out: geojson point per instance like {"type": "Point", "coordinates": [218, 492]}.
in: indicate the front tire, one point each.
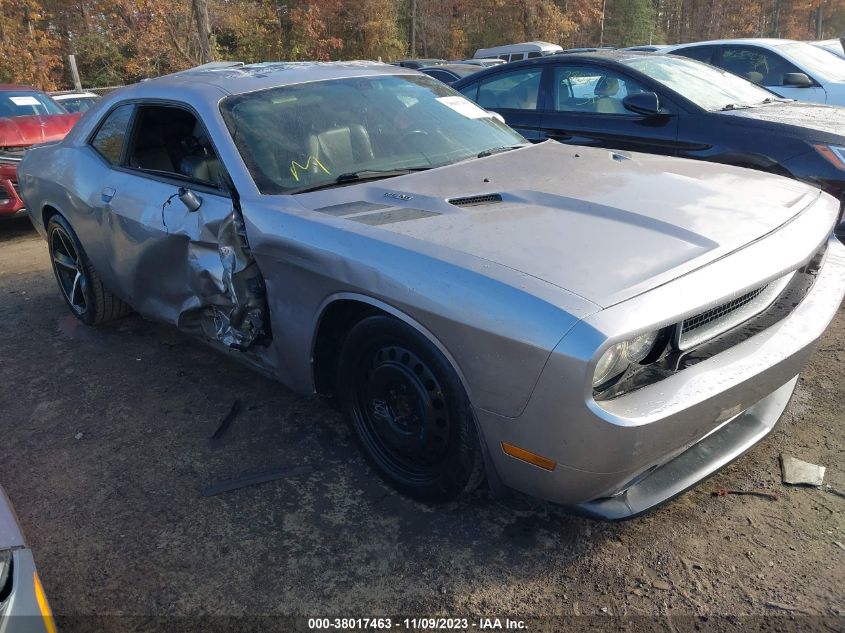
{"type": "Point", "coordinates": [78, 281]}
{"type": "Point", "coordinates": [408, 411]}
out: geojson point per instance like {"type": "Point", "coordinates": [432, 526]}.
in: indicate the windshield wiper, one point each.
{"type": "Point", "coordinates": [357, 176]}
{"type": "Point", "coordinates": [737, 106]}
{"type": "Point", "coordinates": [497, 150]}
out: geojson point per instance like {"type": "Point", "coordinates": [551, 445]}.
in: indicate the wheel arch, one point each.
{"type": "Point", "coordinates": [338, 314]}
{"type": "Point", "coordinates": [48, 210]}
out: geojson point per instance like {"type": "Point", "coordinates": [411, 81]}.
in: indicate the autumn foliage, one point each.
{"type": "Point", "coordinates": [120, 41]}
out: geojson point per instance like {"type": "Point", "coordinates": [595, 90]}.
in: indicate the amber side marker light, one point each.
{"type": "Point", "coordinates": [527, 456]}
{"type": "Point", "coordinates": [43, 605]}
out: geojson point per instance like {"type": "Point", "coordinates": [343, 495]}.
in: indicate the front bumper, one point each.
{"type": "Point", "coordinates": [10, 200]}
{"type": "Point", "coordinates": [20, 612]}
{"type": "Point", "coordinates": [618, 458]}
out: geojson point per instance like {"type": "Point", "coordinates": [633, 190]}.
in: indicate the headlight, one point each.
{"type": "Point", "coordinates": [617, 357]}
{"type": "Point", "coordinates": [833, 154]}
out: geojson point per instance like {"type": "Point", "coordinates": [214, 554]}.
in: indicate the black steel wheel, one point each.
{"type": "Point", "coordinates": [408, 411]}
{"type": "Point", "coordinates": [79, 283]}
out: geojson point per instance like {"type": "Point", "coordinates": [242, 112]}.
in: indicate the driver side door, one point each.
{"type": "Point", "coordinates": [163, 254]}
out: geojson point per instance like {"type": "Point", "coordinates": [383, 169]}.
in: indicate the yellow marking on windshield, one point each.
{"type": "Point", "coordinates": [312, 160]}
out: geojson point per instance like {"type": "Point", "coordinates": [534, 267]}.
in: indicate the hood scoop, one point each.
{"type": "Point", "coordinates": [474, 201]}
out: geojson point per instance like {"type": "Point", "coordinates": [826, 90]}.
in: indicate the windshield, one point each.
{"type": "Point", "coordinates": [27, 103]}
{"type": "Point", "coordinates": [302, 136]}
{"type": "Point", "coordinates": [707, 87]}
{"type": "Point", "coordinates": [816, 61]}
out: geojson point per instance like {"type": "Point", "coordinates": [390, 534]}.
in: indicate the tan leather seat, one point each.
{"type": "Point", "coordinates": [606, 101]}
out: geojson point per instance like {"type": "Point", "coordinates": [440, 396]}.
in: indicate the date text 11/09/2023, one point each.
{"type": "Point", "coordinates": [416, 624]}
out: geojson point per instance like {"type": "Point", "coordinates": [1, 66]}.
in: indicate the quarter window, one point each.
{"type": "Point", "coordinates": [700, 53]}
{"type": "Point", "coordinates": [108, 140]}
{"type": "Point", "coordinates": [592, 90]}
{"type": "Point", "coordinates": [518, 90]}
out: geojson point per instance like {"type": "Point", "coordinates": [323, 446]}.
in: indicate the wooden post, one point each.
{"type": "Point", "coordinates": [413, 28]}
{"type": "Point", "coordinates": [77, 84]}
{"type": "Point", "coordinates": [601, 24]}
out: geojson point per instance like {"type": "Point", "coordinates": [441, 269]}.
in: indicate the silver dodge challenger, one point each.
{"type": "Point", "coordinates": [598, 329]}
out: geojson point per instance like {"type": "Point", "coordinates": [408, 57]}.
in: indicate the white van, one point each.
{"type": "Point", "coordinates": [515, 52]}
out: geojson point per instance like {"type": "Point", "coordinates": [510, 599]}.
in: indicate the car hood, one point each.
{"type": "Point", "coordinates": [29, 130]}
{"type": "Point", "coordinates": [808, 116]}
{"type": "Point", "coordinates": [600, 224]}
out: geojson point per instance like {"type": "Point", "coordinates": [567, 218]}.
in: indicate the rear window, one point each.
{"type": "Point", "coordinates": [27, 103]}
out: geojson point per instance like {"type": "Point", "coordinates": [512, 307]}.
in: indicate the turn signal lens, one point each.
{"type": "Point", "coordinates": [527, 456]}
{"type": "Point", "coordinates": [43, 605]}
{"type": "Point", "coordinates": [833, 154]}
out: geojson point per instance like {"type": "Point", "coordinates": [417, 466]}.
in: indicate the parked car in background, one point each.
{"type": "Point", "coordinates": [27, 117]}
{"type": "Point", "coordinates": [450, 73]}
{"type": "Point", "coordinates": [646, 48]}
{"type": "Point", "coordinates": [516, 52]}
{"type": "Point", "coordinates": [492, 61]}
{"type": "Point", "coordinates": [23, 603]}
{"type": "Point", "coordinates": [416, 64]}
{"type": "Point", "coordinates": [834, 46]}
{"type": "Point", "coordinates": [586, 49]}
{"type": "Point", "coordinates": [669, 105]}
{"type": "Point", "coordinates": [76, 101]}
{"type": "Point", "coordinates": [796, 70]}
{"type": "Point", "coordinates": [596, 330]}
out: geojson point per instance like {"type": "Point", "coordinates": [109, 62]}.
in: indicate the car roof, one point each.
{"type": "Point", "coordinates": [759, 41]}
{"type": "Point", "coordinates": [235, 78]}
{"type": "Point", "coordinates": [470, 68]}
{"type": "Point", "coordinates": [72, 95]}
{"type": "Point", "coordinates": [615, 56]}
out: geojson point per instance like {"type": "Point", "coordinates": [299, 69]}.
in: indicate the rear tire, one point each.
{"type": "Point", "coordinates": [408, 411]}
{"type": "Point", "coordinates": [78, 281]}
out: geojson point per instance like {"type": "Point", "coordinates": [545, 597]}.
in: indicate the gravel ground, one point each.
{"type": "Point", "coordinates": [106, 451]}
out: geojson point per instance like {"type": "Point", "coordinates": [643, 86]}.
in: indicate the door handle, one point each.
{"type": "Point", "coordinates": [107, 194]}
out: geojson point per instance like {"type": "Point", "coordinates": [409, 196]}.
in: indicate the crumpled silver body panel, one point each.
{"type": "Point", "coordinates": [578, 233]}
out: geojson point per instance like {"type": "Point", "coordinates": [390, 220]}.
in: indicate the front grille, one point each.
{"type": "Point", "coordinates": [470, 201]}
{"type": "Point", "coordinates": [710, 323]}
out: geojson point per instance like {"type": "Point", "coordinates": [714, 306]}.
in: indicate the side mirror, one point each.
{"type": "Point", "coordinates": [497, 116]}
{"type": "Point", "coordinates": [191, 200]}
{"type": "Point", "coordinates": [646, 103]}
{"type": "Point", "coordinates": [797, 80]}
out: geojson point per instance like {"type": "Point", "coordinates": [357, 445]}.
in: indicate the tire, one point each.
{"type": "Point", "coordinates": [78, 281]}
{"type": "Point", "coordinates": [408, 411]}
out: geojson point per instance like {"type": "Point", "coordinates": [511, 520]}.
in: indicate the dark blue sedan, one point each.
{"type": "Point", "coordinates": [665, 105]}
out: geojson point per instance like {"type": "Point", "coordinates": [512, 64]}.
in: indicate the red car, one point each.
{"type": "Point", "coordinates": [27, 117]}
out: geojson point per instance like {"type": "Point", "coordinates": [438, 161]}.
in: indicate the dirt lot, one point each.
{"type": "Point", "coordinates": [106, 450]}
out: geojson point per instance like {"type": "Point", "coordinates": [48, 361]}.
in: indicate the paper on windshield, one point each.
{"type": "Point", "coordinates": [464, 106]}
{"type": "Point", "coordinates": [24, 101]}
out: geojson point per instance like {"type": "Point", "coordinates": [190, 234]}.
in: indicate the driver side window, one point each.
{"type": "Point", "coordinates": [592, 90]}
{"type": "Point", "coordinates": [169, 140]}
{"type": "Point", "coordinates": [756, 64]}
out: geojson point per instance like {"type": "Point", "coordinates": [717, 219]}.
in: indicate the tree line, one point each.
{"type": "Point", "coordinates": [122, 41]}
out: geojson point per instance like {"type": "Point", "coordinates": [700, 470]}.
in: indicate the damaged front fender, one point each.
{"type": "Point", "coordinates": [243, 319]}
